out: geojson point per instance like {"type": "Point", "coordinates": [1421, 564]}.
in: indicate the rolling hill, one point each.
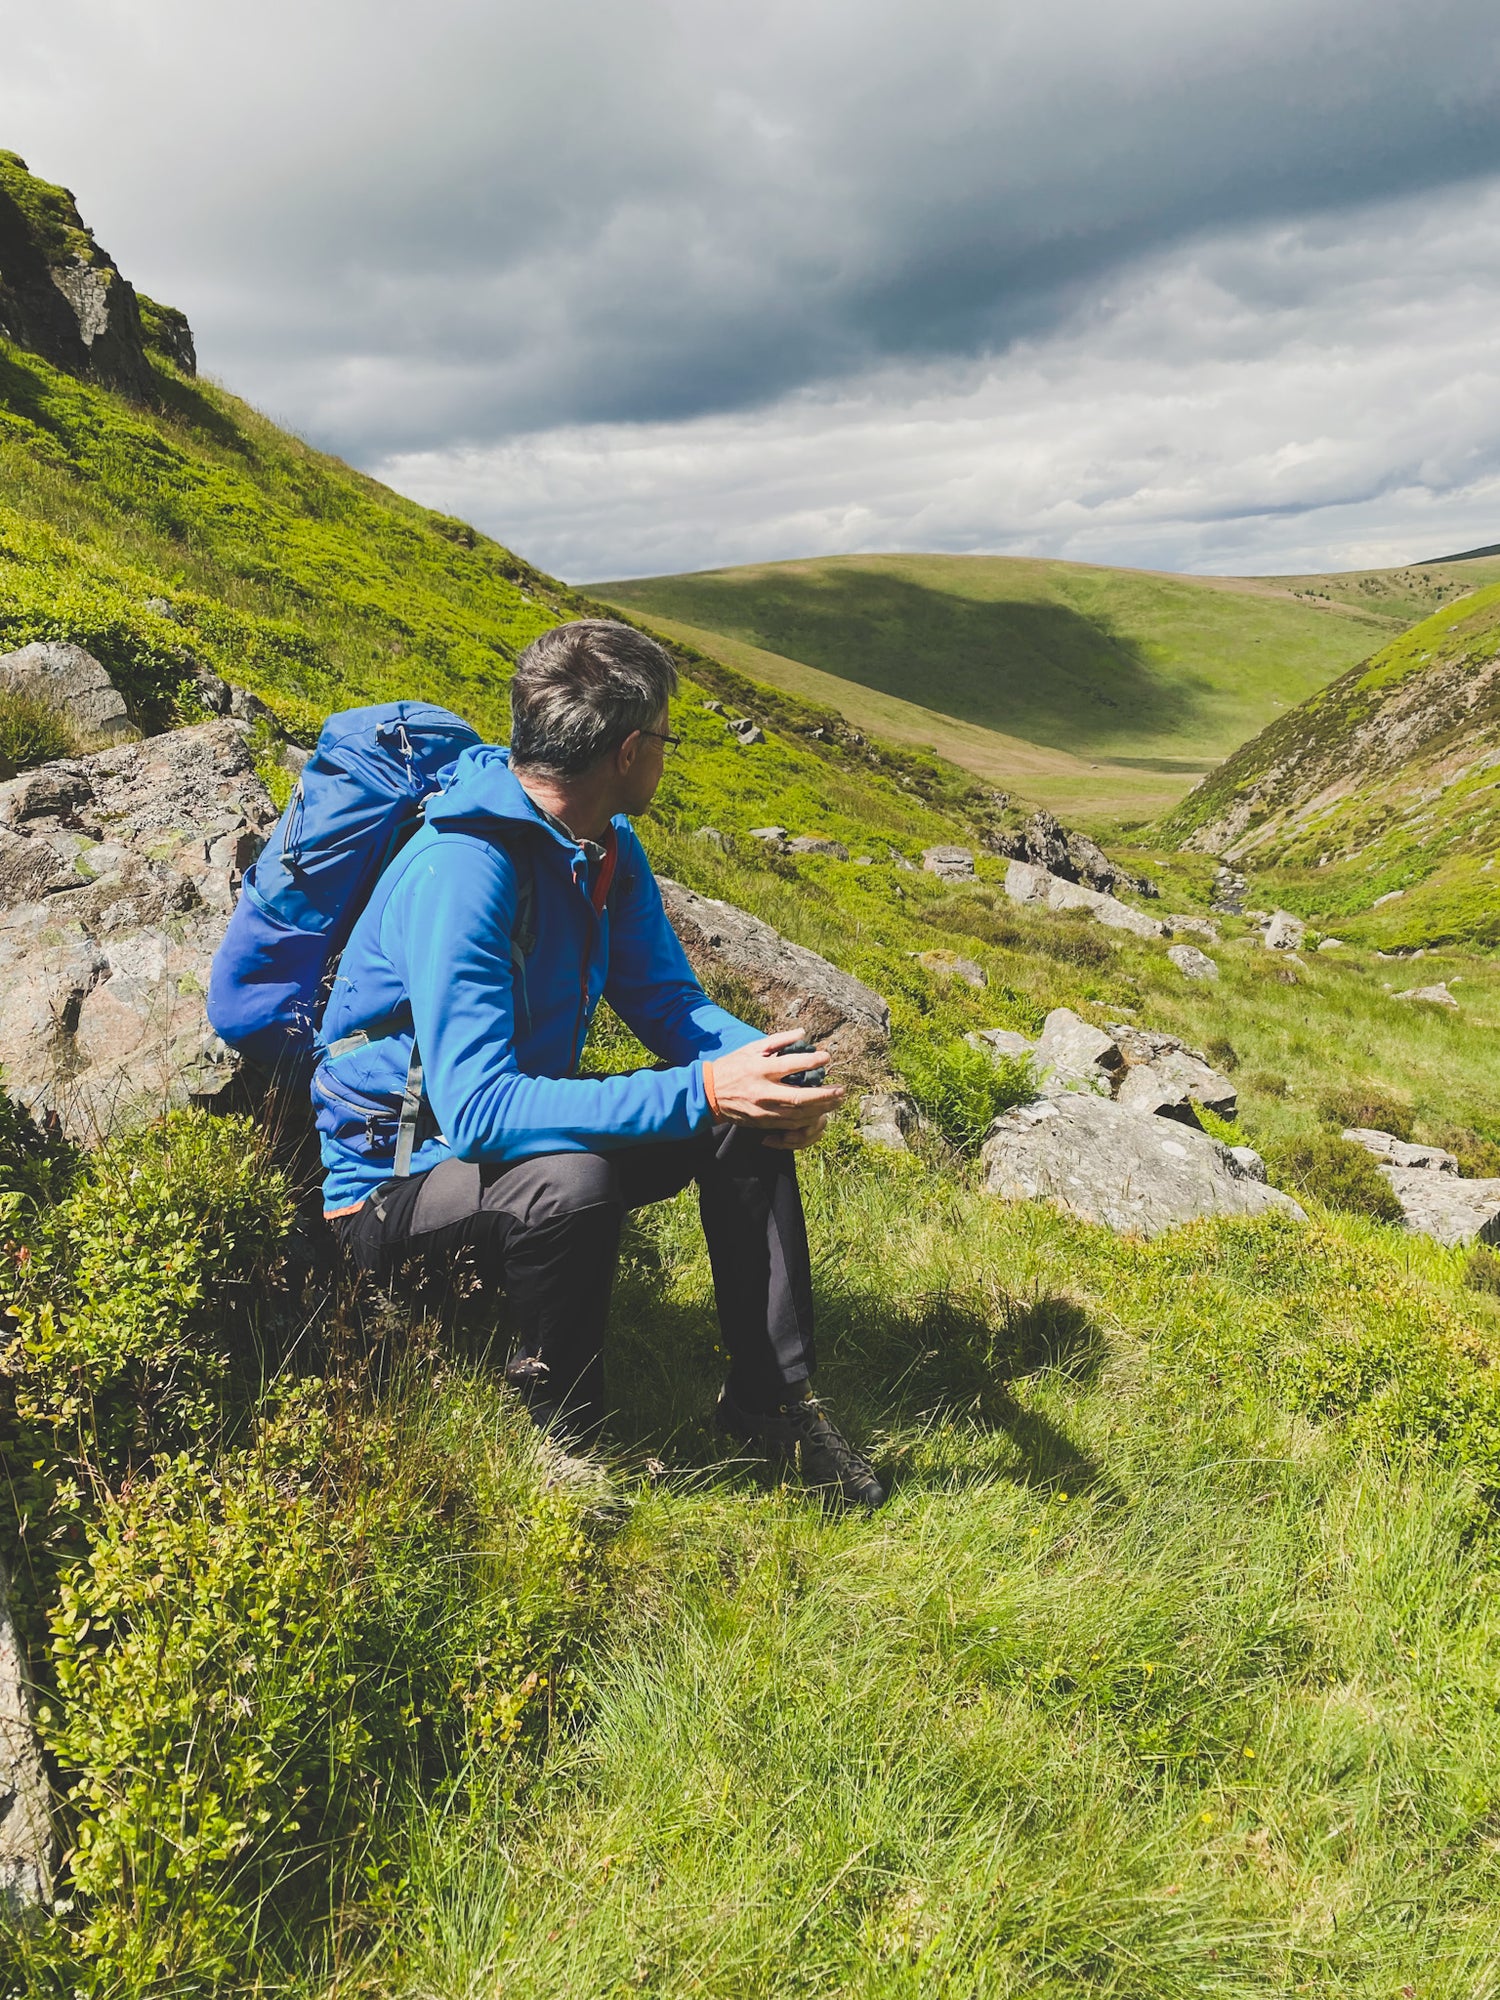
{"type": "Point", "coordinates": [1374, 805]}
{"type": "Point", "coordinates": [1105, 693]}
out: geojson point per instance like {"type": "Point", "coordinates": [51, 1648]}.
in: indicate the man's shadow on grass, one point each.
{"type": "Point", "coordinates": [931, 1384]}
{"type": "Point", "coordinates": [897, 1375]}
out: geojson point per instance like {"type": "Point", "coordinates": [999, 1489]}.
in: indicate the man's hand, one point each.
{"type": "Point", "coordinates": [749, 1090]}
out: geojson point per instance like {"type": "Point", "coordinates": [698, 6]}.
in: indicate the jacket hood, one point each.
{"type": "Point", "coordinates": [480, 784]}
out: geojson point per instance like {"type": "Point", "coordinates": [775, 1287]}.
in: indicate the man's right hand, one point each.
{"type": "Point", "coordinates": [749, 1086]}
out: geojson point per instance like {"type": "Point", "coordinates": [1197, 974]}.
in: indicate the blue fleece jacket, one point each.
{"type": "Point", "coordinates": [432, 951]}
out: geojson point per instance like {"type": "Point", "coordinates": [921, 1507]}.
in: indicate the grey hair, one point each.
{"type": "Point", "coordinates": [581, 689]}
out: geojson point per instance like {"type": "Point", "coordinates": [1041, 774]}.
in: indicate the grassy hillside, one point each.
{"type": "Point", "coordinates": [1105, 693]}
{"type": "Point", "coordinates": [1169, 1667]}
{"type": "Point", "coordinates": [1380, 787]}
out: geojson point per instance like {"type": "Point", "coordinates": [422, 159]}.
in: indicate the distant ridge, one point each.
{"type": "Point", "coordinates": [1464, 555]}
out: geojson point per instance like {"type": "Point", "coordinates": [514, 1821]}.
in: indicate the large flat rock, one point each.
{"type": "Point", "coordinates": [796, 987]}
{"type": "Point", "coordinates": [117, 876]}
{"type": "Point", "coordinates": [1446, 1207]}
{"type": "Point", "coordinates": [1133, 1172]}
{"type": "Point", "coordinates": [1025, 883]}
{"type": "Point", "coordinates": [74, 683]}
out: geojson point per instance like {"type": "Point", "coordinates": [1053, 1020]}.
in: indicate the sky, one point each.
{"type": "Point", "coordinates": [658, 285]}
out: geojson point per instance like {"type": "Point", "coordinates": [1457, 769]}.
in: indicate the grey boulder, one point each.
{"type": "Point", "coordinates": [1027, 884]}
{"type": "Point", "coordinates": [1071, 1052]}
{"type": "Point", "coordinates": [949, 864]}
{"type": "Point", "coordinates": [74, 683]}
{"type": "Point", "coordinates": [117, 876]}
{"type": "Point", "coordinates": [795, 987]}
{"type": "Point", "coordinates": [1192, 963]}
{"type": "Point", "coordinates": [1105, 1163]}
{"type": "Point", "coordinates": [1284, 932]}
{"type": "Point", "coordinates": [1441, 1205]}
{"type": "Point", "coordinates": [812, 843]}
{"type": "Point", "coordinates": [1434, 996]}
{"type": "Point", "coordinates": [887, 1119]}
{"type": "Point", "coordinates": [1394, 1152]}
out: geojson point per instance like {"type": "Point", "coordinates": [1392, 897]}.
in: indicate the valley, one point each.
{"type": "Point", "coordinates": [1105, 694]}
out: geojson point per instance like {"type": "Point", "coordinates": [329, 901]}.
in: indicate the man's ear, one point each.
{"type": "Point", "coordinates": [627, 753]}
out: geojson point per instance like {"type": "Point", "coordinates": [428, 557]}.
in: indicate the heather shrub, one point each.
{"type": "Point", "coordinates": [1336, 1172]}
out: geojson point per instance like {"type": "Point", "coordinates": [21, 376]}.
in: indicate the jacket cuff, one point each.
{"type": "Point", "coordinates": [710, 1093]}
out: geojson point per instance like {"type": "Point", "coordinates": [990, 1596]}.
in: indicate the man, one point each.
{"type": "Point", "coordinates": [490, 940]}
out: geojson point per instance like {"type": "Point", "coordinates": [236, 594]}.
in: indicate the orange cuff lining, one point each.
{"type": "Point", "coordinates": [708, 1090]}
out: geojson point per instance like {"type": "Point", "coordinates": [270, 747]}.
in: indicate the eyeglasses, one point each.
{"type": "Point", "coordinates": [668, 742]}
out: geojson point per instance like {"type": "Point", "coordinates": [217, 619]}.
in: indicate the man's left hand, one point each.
{"type": "Point", "coordinates": [792, 1138]}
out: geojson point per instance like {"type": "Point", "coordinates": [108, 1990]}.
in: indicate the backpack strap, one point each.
{"type": "Point", "coordinates": [411, 1110]}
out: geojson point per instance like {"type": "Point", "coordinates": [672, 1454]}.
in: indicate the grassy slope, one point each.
{"type": "Point", "coordinates": [1170, 1666]}
{"type": "Point", "coordinates": [1329, 833]}
{"type": "Point", "coordinates": [1103, 692]}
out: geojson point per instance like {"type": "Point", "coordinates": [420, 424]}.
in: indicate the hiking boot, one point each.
{"type": "Point", "coordinates": [801, 1433]}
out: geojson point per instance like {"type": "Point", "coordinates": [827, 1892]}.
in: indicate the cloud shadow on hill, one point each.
{"type": "Point", "coordinates": [1040, 670]}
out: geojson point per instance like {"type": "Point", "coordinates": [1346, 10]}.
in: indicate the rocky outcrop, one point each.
{"type": "Point", "coordinates": [949, 965]}
{"type": "Point", "coordinates": [795, 987]}
{"type": "Point", "coordinates": [1027, 884]}
{"type": "Point", "coordinates": [1107, 1163]}
{"type": "Point", "coordinates": [26, 1848]}
{"type": "Point", "coordinates": [117, 875]}
{"type": "Point", "coordinates": [1046, 843]}
{"type": "Point", "coordinates": [64, 297]}
{"type": "Point", "coordinates": [74, 683]}
{"type": "Point", "coordinates": [1432, 996]}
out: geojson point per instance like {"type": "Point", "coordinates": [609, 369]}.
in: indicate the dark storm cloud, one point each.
{"type": "Point", "coordinates": [407, 226]}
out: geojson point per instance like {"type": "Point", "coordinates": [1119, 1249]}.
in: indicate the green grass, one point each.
{"type": "Point", "coordinates": [1144, 1683]}
{"type": "Point", "coordinates": [1102, 692]}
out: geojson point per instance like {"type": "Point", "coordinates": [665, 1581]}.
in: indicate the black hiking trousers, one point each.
{"type": "Point", "coordinates": [547, 1231]}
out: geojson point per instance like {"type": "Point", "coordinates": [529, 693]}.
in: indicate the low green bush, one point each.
{"type": "Point", "coordinates": [1337, 1172]}
{"type": "Point", "coordinates": [140, 1289]}
{"type": "Point", "coordinates": [259, 1655]}
{"type": "Point", "coordinates": [1267, 1083]}
{"type": "Point", "coordinates": [31, 732]}
{"type": "Point", "coordinates": [960, 1088]}
{"type": "Point", "coordinates": [1359, 1105]}
{"type": "Point", "coordinates": [1482, 1270]}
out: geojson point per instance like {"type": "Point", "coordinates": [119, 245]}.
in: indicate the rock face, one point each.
{"type": "Point", "coordinates": [812, 843]}
{"type": "Point", "coordinates": [1026, 884]}
{"type": "Point", "coordinates": [26, 1851]}
{"type": "Point", "coordinates": [1442, 1206]}
{"type": "Point", "coordinates": [117, 876]}
{"type": "Point", "coordinates": [74, 683]}
{"type": "Point", "coordinates": [1106, 1163]}
{"type": "Point", "coordinates": [1046, 843]}
{"type": "Point", "coordinates": [63, 297]}
{"type": "Point", "coordinates": [797, 988]}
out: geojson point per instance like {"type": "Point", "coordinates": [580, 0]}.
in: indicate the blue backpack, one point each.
{"type": "Point", "coordinates": [358, 800]}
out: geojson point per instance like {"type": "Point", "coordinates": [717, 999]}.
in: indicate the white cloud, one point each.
{"type": "Point", "coordinates": [1274, 399]}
